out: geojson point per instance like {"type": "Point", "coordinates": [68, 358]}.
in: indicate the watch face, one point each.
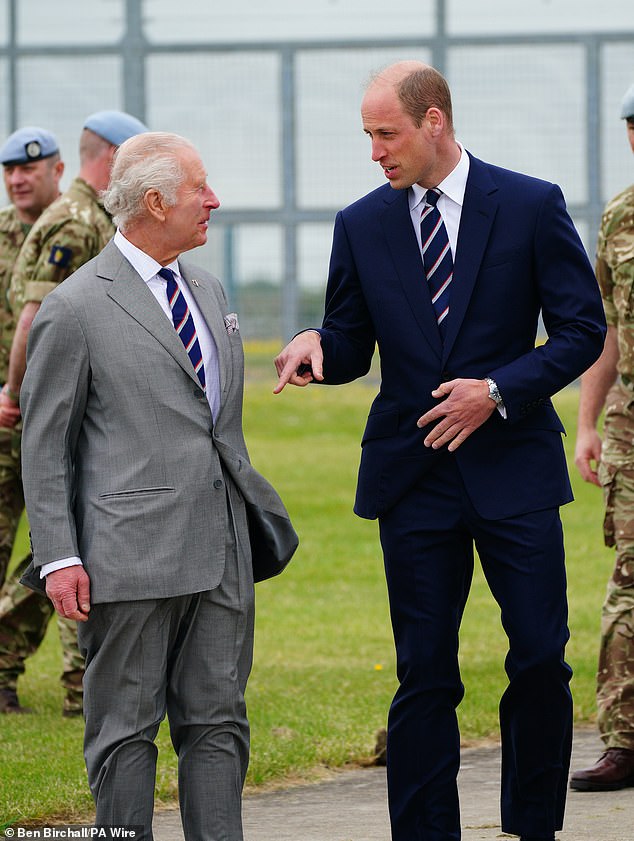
{"type": "Point", "coordinates": [494, 394]}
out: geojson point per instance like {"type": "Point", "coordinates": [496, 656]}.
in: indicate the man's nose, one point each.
{"type": "Point", "coordinates": [377, 151]}
{"type": "Point", "coordinates": [212, 199]}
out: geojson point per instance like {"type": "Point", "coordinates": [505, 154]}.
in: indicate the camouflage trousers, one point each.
{"type": "Point", "coordinates": [11, 496]}
{"type": "Point", "coordinates": [24, 614]}
{"type": "Point", "coordinates": [615, 677]}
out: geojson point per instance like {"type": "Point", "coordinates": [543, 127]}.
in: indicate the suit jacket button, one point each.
{"type": "Point", "coordinates": [198, 392]}
{"type": "Point", "coordinates": [217, 484]}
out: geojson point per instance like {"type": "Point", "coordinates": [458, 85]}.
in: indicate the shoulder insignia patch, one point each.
{"type": "Point", "coordinates": [60, 256]}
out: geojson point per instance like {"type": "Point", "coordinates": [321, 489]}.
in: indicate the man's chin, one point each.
{"type": "Point", "coordinates": [399, 182]}
{"type": "Point", "coordinates": [200, 240]}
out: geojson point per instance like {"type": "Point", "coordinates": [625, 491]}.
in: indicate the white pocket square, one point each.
{"type": "Point", "coordinates": [231, 322]}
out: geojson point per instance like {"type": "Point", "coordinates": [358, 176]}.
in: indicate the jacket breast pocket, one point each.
{"type": "Point", "coordinates": [500, 258]}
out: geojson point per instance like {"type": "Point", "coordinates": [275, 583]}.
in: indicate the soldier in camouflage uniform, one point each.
{"type": "Point", "coordinates": [32, 170]}
{"type": "Point", "coordinates": [72, 231]}
{"type": "Point", "coordinates": [610, 383]}
{"type": "Point", "coordinates": [12, 234]}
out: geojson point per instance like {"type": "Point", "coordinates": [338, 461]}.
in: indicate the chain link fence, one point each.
{"type": "Point", "coordinates": [270, 94]}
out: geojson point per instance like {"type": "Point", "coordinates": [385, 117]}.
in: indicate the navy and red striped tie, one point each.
{"type": "Point", "coordinates": [437, 259]}
{"type": "Point", "coordinates": [184, 323]}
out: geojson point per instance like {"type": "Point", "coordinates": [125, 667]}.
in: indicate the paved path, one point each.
{"type": "Point", "coordinates": [352, 806]}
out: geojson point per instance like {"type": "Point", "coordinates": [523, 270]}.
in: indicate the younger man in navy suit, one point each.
{"type": "Point", "coordinates": [447, 269]}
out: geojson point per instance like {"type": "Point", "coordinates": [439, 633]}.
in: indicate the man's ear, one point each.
{"type": "Point", "coordinates": [435, 119]}
{"type": "Point", "coordinates": [58, 170]}
{"type": "Point", "coordinates": [155, 204]}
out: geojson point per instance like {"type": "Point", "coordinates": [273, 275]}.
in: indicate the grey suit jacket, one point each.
{"type": "Point", "coordinates": [122, 462]}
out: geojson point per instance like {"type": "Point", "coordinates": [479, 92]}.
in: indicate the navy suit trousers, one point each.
{"type": "Point", "coordinates": [428, 539]}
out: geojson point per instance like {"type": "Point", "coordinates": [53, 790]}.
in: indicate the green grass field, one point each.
{"type": "Point", "coordinates": [323, 674]}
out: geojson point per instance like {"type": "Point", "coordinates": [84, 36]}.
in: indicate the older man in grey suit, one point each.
{"type": "Point", "coordinates": [136, 475]}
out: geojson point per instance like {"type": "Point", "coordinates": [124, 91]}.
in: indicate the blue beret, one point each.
{"type": "Point", "coordinates": [28, 144]}
{"type": "Point", "coordinates": [114, 126]}
{"type": "Point", "coordinates": [627, 106]}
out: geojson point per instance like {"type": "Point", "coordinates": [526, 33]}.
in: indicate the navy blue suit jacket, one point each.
{"type": "Point", "coordinates": [518, 255]}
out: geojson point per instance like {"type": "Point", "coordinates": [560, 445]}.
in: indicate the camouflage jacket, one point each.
{"type": "Point", "coordinates": [615, 273]}
{"type": "Point", "coordinates": [12, 235]}
{"type": "Point", "coordinates": [70, 232]}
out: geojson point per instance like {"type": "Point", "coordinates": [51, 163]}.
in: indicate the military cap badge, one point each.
{"type": "Point", "coordinates": [33, 150]}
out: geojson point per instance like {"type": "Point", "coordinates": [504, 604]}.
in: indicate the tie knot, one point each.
{"type": "Point", "coordinates": [166, 274]}
{"type": "Point", "coordinates": [432, 196]}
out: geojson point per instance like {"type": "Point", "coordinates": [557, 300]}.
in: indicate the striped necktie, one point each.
{"type": "Point", "coordinates": [437, 259]}
{"type": "Point", "coordinates": [184, 323]}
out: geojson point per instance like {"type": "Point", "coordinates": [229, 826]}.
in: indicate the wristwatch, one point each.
{"type": "Point", "coordinates": [494, 392]}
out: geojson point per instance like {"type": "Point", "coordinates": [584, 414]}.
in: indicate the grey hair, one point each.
{"type": "Point", "coordinates": [148, 161]}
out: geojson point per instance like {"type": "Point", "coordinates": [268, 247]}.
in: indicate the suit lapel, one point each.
{"type": "Point", "coordinates": [478, 212]}
{"type": "Point", "coordinates": [131, 293]}
{"type": "Point", "coordinates": [408, 262]}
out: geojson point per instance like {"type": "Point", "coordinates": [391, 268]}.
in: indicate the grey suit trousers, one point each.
{"type": "Point", "coordinates": [187, 656]}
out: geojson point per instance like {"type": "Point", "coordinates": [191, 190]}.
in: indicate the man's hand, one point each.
{"type": "Point", "coordinates": [9, 411]}
{"type": "Point", "coordinates": [588, 455]}
{"type": "Point", "coordinates": [69, 590]}
{"type": "Point", "coordinates": [301, 361]}
{"type": "Point", "coordinates": [465, 407]}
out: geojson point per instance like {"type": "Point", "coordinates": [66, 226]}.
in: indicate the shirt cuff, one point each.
{"type": "Point", "coordinates": [61, 564]}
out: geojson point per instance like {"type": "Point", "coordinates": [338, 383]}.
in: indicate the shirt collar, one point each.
{"type": "Point", "coordinates": [144, 265]}
{"type": "Point", "coordinates": [453, 186]}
